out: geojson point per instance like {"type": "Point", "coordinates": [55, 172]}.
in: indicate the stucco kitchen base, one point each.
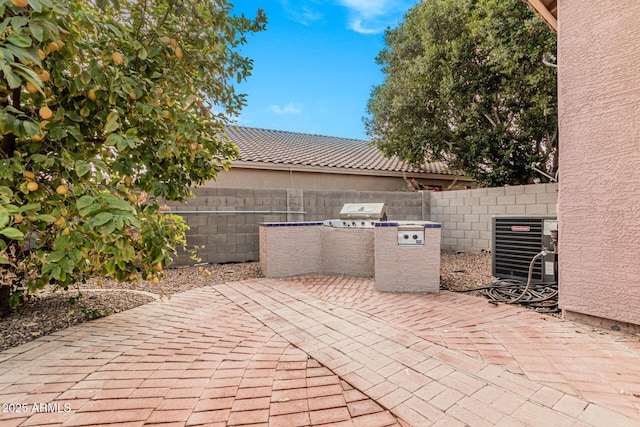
{"type": "Point", "coordinates": [296, 248]}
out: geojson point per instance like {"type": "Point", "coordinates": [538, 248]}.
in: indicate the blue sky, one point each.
{"type": "Point", "coordinates": [314, 66]}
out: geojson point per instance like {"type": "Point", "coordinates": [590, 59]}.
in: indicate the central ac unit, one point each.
{"type": "Point", "coordinates": [517, 240]}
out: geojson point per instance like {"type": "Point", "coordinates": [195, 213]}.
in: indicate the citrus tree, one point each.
{"type": "Point", "coordinates": [106, 109]}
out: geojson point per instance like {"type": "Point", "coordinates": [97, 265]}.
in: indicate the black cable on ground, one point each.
{"type": "Point", "coordinates": [541, 297]}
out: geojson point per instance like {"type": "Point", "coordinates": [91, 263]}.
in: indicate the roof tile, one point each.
{"type": "Point", "coordinates": [283, 147]}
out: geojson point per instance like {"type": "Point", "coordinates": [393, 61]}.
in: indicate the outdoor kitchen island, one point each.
{"type": "Point", "coordinates": [401, 256]}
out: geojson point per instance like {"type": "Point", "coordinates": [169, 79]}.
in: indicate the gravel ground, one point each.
{"type": "Point", "coordinates": [47, 311]}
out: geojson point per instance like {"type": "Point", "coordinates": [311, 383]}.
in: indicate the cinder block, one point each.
{"type": "Point", "coordinates": [471, 234]}
{"type": "Point", "coordinates": [547, 197]}
{"type": "Point", "coordinates": [456, 218]}
{"type": "Point", "coordinates": [237, 218]}
{"type": "Point", "coordinates": [197, 240]}
{"type": "Point", "coordinates": [486, 218]}
{"type": "Point", "coordinates": [195, 220]}
{"type": "Point", "coordinates": [464, 244]}
{"type": "Point", "coordinates": [471, 218]}
{"type": "Point", "coordinates": [457, 233]}
{"type": "Point", "coordinates": [442, 202]}
{"type": "Point", "coordinates": [488, 200]}
{"type": "Point", "coordinates": [486, 235]}
{"type": "Point", "coordinates": [495, 191]}
{"type": "Point", "coordinates": [227, 229]}
{"type": "Point", "coordinates": [236, 239]}
{"type": "Point", "coordinates": [227, 192]}
{"type": "Point", "coordinates": [515, 209]}
{"type": "Point", "coordinates": [450, 241]}
{"type": "Point", "coordinates": [205, 191]}
{"type": "Point", "coordinates": [458, 201]}
{"type": "Point", "coordinates": [506, 200]}
{"type": "Point", "coordinates": [205, 230]}
{"type": "Point", "coordinates": [552, 208]}
{"type": "Point", "coordinates": [536, 209]}
{"type": "Point", "coordinates": [540, 188]}
{"type": "Point", "coordinates": [514, 189]}
{"type": "Point", "coordinates": [464, 209]}
{"type": "Point", "coordinates": [227, 248]}
{"type": "Point", "coordinates": [480, 226]}
{"type": "Point", "coordinates": [479, 209]}
{"type": "Point", "coordinates": [465, 225]}
{"type": "Point", "coordinates": [450, 210]}
{"type": "Point", "coordinates": [481, 244]}
{"type": "Point", "coordinates": [472, 201]}
{"type": "Point", "coordinates": [524, 199]}
{"type": "Point", "coordinates": [496, 209]}
{"type": "Point", "coordinates": [216, 239]}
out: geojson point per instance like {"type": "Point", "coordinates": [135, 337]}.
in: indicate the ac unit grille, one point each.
{"type": "Point", "coordinates": [516, 241]}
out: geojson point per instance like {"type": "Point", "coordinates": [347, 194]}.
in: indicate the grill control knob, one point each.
{"type": "Point", "coordinates": [415, 237]}
{"type": "Point", "coordinates": [406, 236]}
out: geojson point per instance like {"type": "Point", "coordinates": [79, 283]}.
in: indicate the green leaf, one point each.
{"type": "Point", "coordinates": [113, 139]}
{"type": "Point", "coordinates": [46, 218]}
{"type": "Point", "coordinates": [31, 128]}
{"type": "Point", "coordinates": [56, 256]}
{"type": "Point", "coordinates": [19, 40]}
{"type": "Point", "coordinates": [29, 207]}
{"type": "Point", "coordinates": [75, 255]}
{"type": "Point", "coordinates": [56, 272]}
{"type": "Point", "coordinates": [84, 201]}
{"type": "Point", "coordinates": [67, 265]}
{"type": "Point", "coordinates": [4, 217]}
{"type": "Point", "coordinates": [82, 168]}
{"type": "Point", "coordinates": [12, 233]}
{"type": "Point", "coordinates": [111, 127]}
{"type": "Point", "coordinates": [101, 218]}
{"type": "Point", "coordinates": [4, 260]}
{"type": "Point", "coordinates": [37, 31]}
{"type": "Point", "coordinates": [13, 80]}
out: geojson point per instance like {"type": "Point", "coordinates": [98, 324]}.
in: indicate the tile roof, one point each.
{"type": "Point", "coordinates": [301, 149]}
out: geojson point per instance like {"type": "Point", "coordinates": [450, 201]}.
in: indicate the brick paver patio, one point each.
{"type": "Point", "coordinates": [322, 350]}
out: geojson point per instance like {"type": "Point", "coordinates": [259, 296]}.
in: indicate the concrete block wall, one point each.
{"type": "Point", "coordinates": [225, 222]}
{"type": "Point", "coordinates": [322, 204]}
{"type": "Point", "coordinates": [466, 215]}
{"type": "Point", "coordinates": [227, 236]}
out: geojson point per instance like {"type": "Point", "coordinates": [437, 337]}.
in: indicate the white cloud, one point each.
{"type": "Point", "coordinates": [374, 16]}
{"type": "Point", "coordinates": [302, 12]}
{"type": "Point", "coordinates": [290, 108]}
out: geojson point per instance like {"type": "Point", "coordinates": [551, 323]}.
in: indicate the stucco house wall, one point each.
{"type": "Point", "coordinates": [599, 191]}
{"type": "Point", "coordinates": [315, 179]}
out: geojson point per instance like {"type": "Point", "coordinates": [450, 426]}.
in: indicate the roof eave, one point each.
{"type": "Point", "coordinates": [547, 11]}
{"type": "Point", "coordinates": [345, 171]}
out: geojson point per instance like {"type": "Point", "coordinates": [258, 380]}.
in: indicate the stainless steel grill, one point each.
{"type": "Point", "coordinates": [359, 215]}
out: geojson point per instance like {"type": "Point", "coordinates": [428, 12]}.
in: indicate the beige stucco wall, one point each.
{"type": "Point", "coordinates": [289, 251]}
{"type": "Point", "coordinates": [407, 268]}
{"type": "Point", "coordinates": [237, 177]}
{"type": "Point", "coordinates": [599, 192]}
{"type": "Point", "coordinates": [347, 251]}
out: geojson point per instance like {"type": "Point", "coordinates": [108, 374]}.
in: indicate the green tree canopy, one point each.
{"type": "Point", "coordinates": [466, 83]}
{"type": "Point", "coordinates": [105, 109]}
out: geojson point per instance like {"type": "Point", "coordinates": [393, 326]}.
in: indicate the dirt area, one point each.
{"type": "Point", "coordinates": [48, 311]}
